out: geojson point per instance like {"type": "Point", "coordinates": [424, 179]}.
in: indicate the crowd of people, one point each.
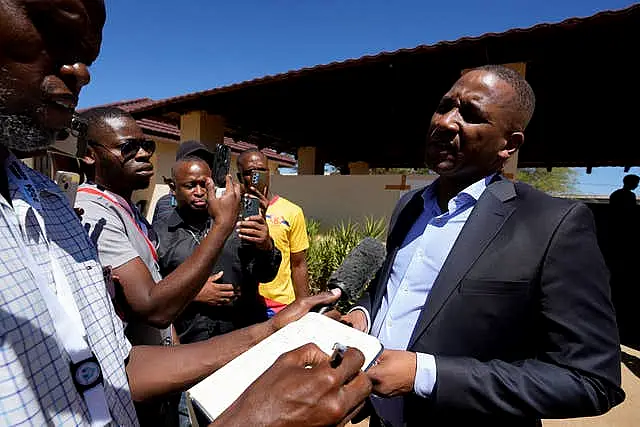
{"type": "Point", "coordinates": [493, 304]}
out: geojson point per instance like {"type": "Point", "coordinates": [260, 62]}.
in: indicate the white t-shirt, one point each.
{"type": "Point", "coordinates": [119, 240]}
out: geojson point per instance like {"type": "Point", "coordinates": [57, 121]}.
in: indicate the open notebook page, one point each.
{"type": "Point", "coordinates": [217, 392]}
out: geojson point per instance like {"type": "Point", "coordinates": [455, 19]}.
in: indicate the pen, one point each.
{"type": "Point", "coordinates": [337, 355]}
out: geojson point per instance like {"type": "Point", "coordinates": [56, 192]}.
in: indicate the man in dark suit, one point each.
{"type": "Point", "coordinates": [493, 304]}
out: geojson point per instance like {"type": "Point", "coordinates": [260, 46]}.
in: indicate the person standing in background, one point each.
{"type": "Point", "coordinates": [288, 228]}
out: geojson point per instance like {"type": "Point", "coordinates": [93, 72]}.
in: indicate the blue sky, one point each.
{"type": "Point", "coordinates": [164, 48]}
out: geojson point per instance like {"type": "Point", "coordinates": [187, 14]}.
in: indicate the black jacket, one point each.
{"type": "Point", "coordinates": [519, 319]}
{"type": "Point", "coordinates": [243, 265]}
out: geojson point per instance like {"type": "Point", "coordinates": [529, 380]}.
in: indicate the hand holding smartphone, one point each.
{"type": "Point", "coordinates": [250, 206]}
{"type": "Point", "coordinates": [258, 180]}
{"type": "Point", "coordinates": [220, 167]}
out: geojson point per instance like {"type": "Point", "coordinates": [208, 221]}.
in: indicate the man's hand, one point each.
{"type": "Point", "coordinates": [224, 209]}
{"type": "Point", "coordinates": [254, 229]}
{"type": "Point", "coordinates": [218, 294]}
{"type": "Point", "coordinates": [356, 319]}
{"type": "Point", "coordinates": [394, 373]}
{"type": "Point", "coordinates": [302, 306]}
{"type": "Point", "coordinates": [301, 389]}
{"type": "Point", "coordinates": [264, 202]}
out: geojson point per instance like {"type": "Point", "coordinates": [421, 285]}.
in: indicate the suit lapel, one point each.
{"type": "Point", "coordinates": [484, 223]}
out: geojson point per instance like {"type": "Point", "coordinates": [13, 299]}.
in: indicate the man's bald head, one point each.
{"type": "Point", "coordinates": [247, 155]}
{"type": "Point", "coordinates": [185, 163]}
{"type": "Point", "coordinates": [522, 101]}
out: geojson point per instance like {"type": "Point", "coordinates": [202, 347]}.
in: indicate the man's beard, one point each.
{"type": "Point", "coordinates": [22, 133]}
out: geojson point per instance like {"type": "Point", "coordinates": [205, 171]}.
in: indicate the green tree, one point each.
{"type": "Point", "coordinates": [559, 181]}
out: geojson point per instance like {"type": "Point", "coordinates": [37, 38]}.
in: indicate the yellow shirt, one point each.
{"type": "Point", "coordinates": [289, 232]}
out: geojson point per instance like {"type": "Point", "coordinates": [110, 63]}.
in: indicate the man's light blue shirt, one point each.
{"type": "Point", "coordinates": [414, 270]}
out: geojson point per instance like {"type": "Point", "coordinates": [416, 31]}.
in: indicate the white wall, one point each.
{"type": "Point", "coordinates": [331, 199]}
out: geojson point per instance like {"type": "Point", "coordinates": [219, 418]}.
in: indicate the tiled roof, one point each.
{"type": "Point", "coordinates": [171, 131]}
{"type": "Point", "coordinates": [384, 56]}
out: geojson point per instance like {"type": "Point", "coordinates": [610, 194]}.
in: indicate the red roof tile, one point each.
{"type": "Point", "coordinates": [380, 57]}
{"type": "Point", "coordinates": [171, 131]}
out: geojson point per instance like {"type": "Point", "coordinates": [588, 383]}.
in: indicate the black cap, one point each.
{"type": "Point", "coordinates": [195, 148]}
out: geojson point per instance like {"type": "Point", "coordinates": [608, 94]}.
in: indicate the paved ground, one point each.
{"type": "Point", "coordinates": [626, 414]}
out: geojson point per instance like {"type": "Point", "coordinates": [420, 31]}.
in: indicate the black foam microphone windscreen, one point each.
{"type": "Point", "coordinates": [357, 269]}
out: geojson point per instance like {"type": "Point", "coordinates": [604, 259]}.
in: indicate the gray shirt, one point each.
{"type": "Point", "coordinates": [119, 239]}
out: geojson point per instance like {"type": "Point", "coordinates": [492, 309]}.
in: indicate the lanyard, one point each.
{"type": "Point", "coordinates": [124, 206]}
{"type": "Point", "coordinates": [200, 236]}
{"type": "Point", "coordinates": [64, 312]}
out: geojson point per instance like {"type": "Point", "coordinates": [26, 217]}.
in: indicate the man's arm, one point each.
{"type": "Point", "coordinates": [159, 370]}
{"type": "Point", "coordinates": [155, 371]}
{"type": "Point", "coordinates": [299, 274]}
{"type": "Point", "coordinates": [577, 370]}
{"type": "Point", "coordinates": [298, 245]}
{"type": "Point", "coordinates": [159, 304]}
{"type": "Point", "coordinates": [264, 264]}
{"type": "Point", "coordinates": [264, 258]}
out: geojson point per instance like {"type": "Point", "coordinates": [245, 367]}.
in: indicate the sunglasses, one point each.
{"type": "Point", "coordinates": [130, 147]}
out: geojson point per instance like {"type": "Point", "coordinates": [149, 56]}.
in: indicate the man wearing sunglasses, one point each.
{"type": "Point", "coordinates": [288, 229]}
{"type": "Point", "coordinates": [118, 162]}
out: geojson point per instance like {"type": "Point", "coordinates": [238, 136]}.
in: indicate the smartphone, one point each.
{"type": "Point", "coordinates": [221, 164]}
{"type": "Point", "coordinates": [68, 183]}
{"type": "Point", "coordinates": [258, 179]}
{"type": "Point", "coordinates": [250, 206]}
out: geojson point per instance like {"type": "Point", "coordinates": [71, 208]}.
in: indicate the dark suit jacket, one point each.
{"type": "Point", "coordinates": [519, 320]}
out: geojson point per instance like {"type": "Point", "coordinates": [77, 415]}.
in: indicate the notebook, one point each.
{"type": "Point", "coordinates": [216, 393]}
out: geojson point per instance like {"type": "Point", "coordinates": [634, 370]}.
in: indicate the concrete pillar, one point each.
{"type": "Point", "coordinates": [359, 168]}
{"type": "Point", "coordinates": [202, 126]}
{"type": "Point", "coordinates": [273, 167]}
{"type": "Point", "coordinates": [309, 162]}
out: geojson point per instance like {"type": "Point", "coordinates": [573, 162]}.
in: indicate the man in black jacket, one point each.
{"type": "Point", "coordinates": [231, 300]}
{"type": "Point", "coordinates": [494, 303]}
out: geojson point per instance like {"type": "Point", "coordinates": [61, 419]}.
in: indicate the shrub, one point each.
{"type": "Point", "coordinates": [327, 251]}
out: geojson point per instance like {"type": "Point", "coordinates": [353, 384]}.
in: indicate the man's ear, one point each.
{"type": "Point", "coordinates": [514, 142]}
{"type": "Point", "coordinates": [171, 183]}
{"type": "Point", "coordinates": [89, 157]}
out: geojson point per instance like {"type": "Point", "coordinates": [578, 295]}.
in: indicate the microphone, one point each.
{"type": "Point", "coordinates": [356, 270]}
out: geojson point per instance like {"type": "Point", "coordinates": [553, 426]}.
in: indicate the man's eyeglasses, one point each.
{"type": "Point", "coordinates": [130, 147]}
